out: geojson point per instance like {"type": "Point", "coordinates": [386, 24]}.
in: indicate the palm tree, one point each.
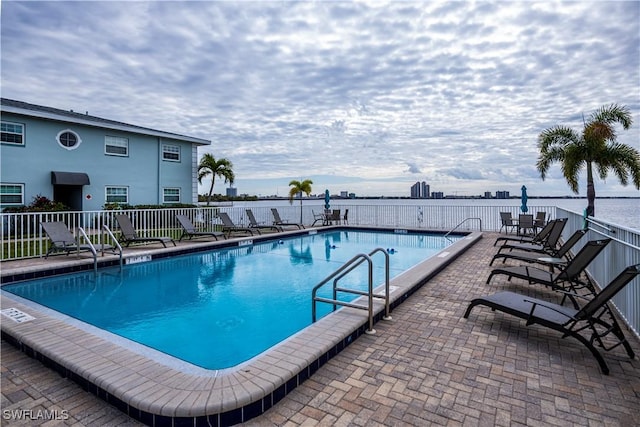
{"type": "Point", "coordinates": [298, 187]}
{"type": "Point", "coordinates": [595, 147]}
{"type": "Point", "coordinates": [210, 166]}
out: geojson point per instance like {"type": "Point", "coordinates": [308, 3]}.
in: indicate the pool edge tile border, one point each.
{"type": "Point", "coordinates": [154, 393]}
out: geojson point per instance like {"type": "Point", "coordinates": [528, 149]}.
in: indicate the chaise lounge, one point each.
{"type": "Point", "coordinates": [189, 230]}
{"type": "Point", "coordinates": [534, 255]}
{"type": "Point", "coordinates": [63, 240]}
{"type": "Point", "coordinates": [129, 234]}
{"type": "Point", "coordinates": [537, 238]}
{"type": "Point", "coordinates": [595, 316]}
{"type": "Point", "coordinates": [548, 243]}
{"type": "Point", "coordinates": [569, 273]}
{"type": "Point", "coordinates": [543, 256]}
{"type": "Point", "coordinates": [253, 223]}
{"type": "Point", "coordinates": [229, 227]}
{"type": "Point", "coordinates": [278, 221]}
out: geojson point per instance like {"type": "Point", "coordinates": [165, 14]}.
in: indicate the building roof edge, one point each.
{"type": "Point", "coordinates": [50, 113]}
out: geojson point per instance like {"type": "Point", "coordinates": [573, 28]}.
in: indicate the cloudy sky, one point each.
{"type": "Point", "coordinates": [366, 97]}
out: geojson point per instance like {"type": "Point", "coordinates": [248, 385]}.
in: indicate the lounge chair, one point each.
{"type": "Point", "coordinates": [539, 256]}
{"type": "Point", "coordinates": [253, 223]}
{"type": "Point", "coordinates": [129, 234]}
{"type": "Point", "coordinates": [548, 244]}
{"type": "Point", "coordinates": [595, 316]}
{"type": "Point", "coordinates": [345, 218]}
{"type": "Point", "coordinates": [63, 240]}
{"type": "Point", "coordinates": [229, 227]}
{"type": "Point", "coordinates": [507, 222]}
{"type": "Point", "coordinates": [189, 230]}
{"type": "Point", "coordinates": [278, 221]}
{"type": "Point", "coordinates": [569, 273]}
{"type": "Point", "coordinates": [537, 238]}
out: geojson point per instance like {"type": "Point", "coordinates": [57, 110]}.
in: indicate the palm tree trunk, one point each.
{"type": "Point", "coordinates": [591, 192]}
{"type": "Point", "coordinates": [300, 207]}
{"type": "Point", "coordinates": [210, 191]}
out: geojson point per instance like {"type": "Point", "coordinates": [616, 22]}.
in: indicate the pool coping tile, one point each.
{"type": "Point", "coordinates": [150, 389]}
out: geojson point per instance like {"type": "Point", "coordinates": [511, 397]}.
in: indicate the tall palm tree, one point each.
{"type": "Point", "coordinates": [210, 166]}
{"type": "Point", "coordinates": [298, 187]}
{"type": "Point", "coordinates": [595, 147]}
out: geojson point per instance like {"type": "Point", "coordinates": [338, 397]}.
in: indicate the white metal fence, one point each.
{"type": "Point", "coordinates": [23, 237]}
{"type": "Point", "coordinates": [621, 252]}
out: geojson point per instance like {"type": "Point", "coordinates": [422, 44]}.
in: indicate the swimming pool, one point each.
{"type": "Point", "coordinates": [220, 308]}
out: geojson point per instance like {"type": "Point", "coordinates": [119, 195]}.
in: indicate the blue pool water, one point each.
{"type": "Point", "coordinates": [218, 309]}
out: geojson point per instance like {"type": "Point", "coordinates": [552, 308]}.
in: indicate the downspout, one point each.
{"type": "Point", "coordinates": [159, 182]}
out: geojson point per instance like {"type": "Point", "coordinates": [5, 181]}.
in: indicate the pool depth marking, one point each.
{"type": "Point", "coordinates": [138, 259]}
{"type": "Point", "coordinates": [16, 315]}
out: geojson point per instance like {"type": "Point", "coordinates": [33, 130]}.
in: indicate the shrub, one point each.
{"type": "Point", "coordinates": [121, 206]}
{"type": "Point", "coordinates": [39, 204]}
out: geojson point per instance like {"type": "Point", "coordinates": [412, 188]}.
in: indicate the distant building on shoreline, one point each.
{"type": "Point", "coordinates": [420, 190]}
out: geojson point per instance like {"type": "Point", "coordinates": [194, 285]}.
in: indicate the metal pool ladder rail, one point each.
{"type": "Point", "coordinates": [342, 272]}
{"type": "Point", "coordinates": [465, 220]}
{"type": "Point", "coordinates": [101, 246]}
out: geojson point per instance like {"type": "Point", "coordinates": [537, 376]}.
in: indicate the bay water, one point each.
{"type": "Point", "coordinates": [624, 212]}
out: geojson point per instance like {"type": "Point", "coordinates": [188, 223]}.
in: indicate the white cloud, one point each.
{"type": "Point", "coordinates": [366, 96]}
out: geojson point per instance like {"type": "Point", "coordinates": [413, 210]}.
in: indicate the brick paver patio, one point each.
{"type": "Point", "coordinates": [427, 366]}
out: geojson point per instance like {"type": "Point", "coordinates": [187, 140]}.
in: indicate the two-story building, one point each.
{"type": "Point", "coordinates": [86, 162]}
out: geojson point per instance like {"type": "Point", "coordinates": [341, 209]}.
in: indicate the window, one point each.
{"type": "Point", "coordinates": [116, 146]}
{"type": "Point", "coordinates": [171, 153]}
{"type": "Point", "coordinates": [68, 139]}
{"type": "Point", "coordinates": [12, 133]}
{"type": "Point", "coordinates": [117, 195]}
{"type": "Point", "coordinates": [12, 194]}
{"type": "Point", "coordinates": [171, 195]}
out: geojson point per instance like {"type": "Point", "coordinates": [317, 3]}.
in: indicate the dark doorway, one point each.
{"type": "Point", "coordinates": [67, 188]}
{"type": "Point", "coordinates": [70, 195]}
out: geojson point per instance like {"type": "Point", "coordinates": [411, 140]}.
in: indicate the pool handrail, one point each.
{"type": "Point", "coordinates": [115, 241]}
{"type": "Point", "coordinates": [385, 296]}
{"type": "Point", "coordinates": [103, 246]}
{"type": "Point", "coordinates": [91, 248]}
{"type": "Point", "coordinates": [463, 221]}
{"type": "Point", "coordinates": [343, 271]}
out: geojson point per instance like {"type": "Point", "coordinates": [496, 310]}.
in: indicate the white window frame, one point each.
{"type": "Point", "coordinates": [73, 147]}
{"type": "Point", "coordinates": [164, 194]}
{"type": "Point", "coordinates": [170, 149]}
{"type": "Point", "coordinates": [116, 187]}
{"type": "Point", "coordinates": [117, 142]}
{"type": "Point", "coordinates": [4, 130]}
{"type": "Point", "coordinates": [3, 194]}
